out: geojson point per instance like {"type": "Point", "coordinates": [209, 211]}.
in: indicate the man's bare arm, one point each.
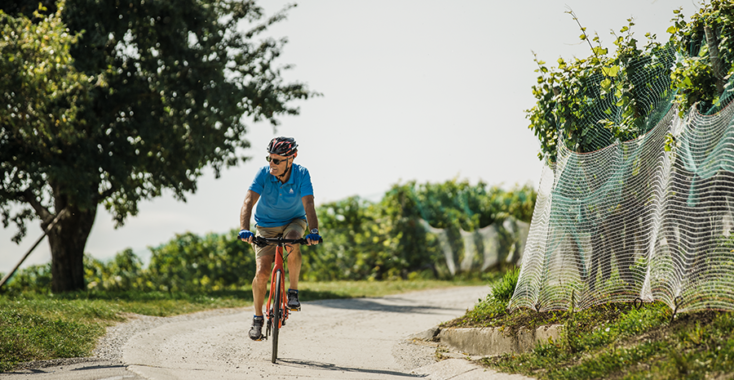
{"type": "Point", "coordinates": [246, 211]}
{"type": "Point", "coordinates": [313, 221]}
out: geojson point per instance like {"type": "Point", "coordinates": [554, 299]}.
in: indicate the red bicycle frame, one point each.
{"type": "Point", "coordinates": [278, 268]}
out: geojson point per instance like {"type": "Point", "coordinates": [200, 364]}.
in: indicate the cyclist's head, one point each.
{"type": "Point", "coordinates": [283, 146]}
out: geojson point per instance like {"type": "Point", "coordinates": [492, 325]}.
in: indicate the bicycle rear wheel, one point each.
{"type": "Point", "coordinates": [276, 314]}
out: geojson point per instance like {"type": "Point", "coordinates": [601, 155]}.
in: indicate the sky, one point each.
{"type": "Point", "coordinates": [412, 90]}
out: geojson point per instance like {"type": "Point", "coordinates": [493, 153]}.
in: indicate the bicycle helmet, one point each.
{"type": "Point", "coordinates": [283, 146]}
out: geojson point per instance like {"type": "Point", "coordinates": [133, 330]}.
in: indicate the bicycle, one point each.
{"type": "Point", "coordinates": [278, 314]}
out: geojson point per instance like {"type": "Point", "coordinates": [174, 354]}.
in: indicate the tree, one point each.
{"type": "Point", "coordinates": [151, 93]}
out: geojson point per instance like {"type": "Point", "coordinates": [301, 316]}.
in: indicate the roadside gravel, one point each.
{"type": "Point", "coordinates": [109, 347]}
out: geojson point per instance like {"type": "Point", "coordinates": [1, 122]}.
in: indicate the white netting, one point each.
{"type": "Point", "coordinates": [443, 240]}
{"type": "Point", "coordinates": [634, 221]}
{"type": "Point", "coordinates": [483, 249]}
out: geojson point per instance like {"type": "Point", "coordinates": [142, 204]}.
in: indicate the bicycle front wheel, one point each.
{"type": "Point", "coordinates": [276, 313]}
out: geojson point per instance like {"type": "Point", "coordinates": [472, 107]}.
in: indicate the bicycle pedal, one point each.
{"type": "Point", "coordinates": [295, 309]}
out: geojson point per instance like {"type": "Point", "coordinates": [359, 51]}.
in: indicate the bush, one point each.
{"type": "Point", "coordinates": [192, 263]}
{"type": "Point", "coordinates": [35, 278]}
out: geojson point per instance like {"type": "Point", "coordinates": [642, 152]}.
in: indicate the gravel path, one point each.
{"type": "Point", "coordinates": [364, 338]}
{"type": "Point", "coordinates": [109, 348]}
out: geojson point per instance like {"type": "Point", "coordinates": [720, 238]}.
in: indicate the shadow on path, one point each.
{"type": "Point", "coordinates": [121, 366]}
{"type": "Point", "coordinates": [382, 305]}
{"type": "Point", "coordinates": [334, 367]}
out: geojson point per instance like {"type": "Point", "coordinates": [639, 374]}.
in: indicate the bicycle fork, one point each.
{"type": "Point", "coordinates": [284, 311]}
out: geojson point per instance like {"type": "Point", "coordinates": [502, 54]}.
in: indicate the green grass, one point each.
{"type": "Point", "coordinates": [637, 344]}
{"type": "Point", "coordinates": [46, 326]}
{"type": "Point", "coordinates": [615, 341]}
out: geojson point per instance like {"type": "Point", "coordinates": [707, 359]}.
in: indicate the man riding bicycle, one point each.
{"type": "Point", "coordinates": [285, 204]}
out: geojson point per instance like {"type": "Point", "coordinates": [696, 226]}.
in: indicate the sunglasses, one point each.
{"type": "Point", "coordinates": [275, 160]}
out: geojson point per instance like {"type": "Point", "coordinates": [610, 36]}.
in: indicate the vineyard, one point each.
{"type": "Point", "coordinates": [406, 235]}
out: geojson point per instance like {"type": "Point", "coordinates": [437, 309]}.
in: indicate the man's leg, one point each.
{"type": "Point", "coordinates": [294, 264]}
{"type": "Point", "coordinates": [264, 257]}
{"type": "Point", "coordinates": [260, 282]}
{"type": "Point", "coordinates": [294, 230]}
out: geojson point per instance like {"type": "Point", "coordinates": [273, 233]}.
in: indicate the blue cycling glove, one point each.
{"type": "Point", "coordinates": [246, 234]}
{"type": "Point", "coordinates": [313, 237]}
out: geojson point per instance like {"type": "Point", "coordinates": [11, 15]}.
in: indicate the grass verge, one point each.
{"type": "Point", "coordinates": [47, 326]}
{"type": "Point", "coordinates": [615, 341]}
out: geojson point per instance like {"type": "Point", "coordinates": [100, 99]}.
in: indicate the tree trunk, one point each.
{"type": "Point", "coordinates": [67, 240]}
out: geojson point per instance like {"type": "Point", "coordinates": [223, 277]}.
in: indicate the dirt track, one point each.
{"type": "Point", "coordinates": [335, 339]}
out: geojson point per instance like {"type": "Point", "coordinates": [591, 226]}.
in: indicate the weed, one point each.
{"type": "Point", "coordinates": [503, 289]}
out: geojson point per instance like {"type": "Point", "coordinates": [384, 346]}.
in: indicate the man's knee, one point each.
{"type": "Point", "coordinates": [261, 275]}
{"type": "Point", "coordinates": [293, 235]}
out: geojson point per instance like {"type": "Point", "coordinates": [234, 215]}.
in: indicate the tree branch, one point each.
{"type": "Point", "coordinates": [37, 206]}
{"type": "Point", "coordinates": [105, 194]}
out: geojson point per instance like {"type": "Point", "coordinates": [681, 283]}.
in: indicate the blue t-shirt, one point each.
{"type": "Point", "coordinates": [280, 203]}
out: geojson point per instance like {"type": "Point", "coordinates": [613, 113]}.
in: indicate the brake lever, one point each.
{"type": "Point", "coordinates": [258, 242]}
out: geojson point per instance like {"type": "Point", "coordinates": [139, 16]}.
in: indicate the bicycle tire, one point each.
{"type": "Point", "coordinates": [276, 314]}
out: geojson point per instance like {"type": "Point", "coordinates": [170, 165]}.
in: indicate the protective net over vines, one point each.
{"type": "Point", "coordinates": [484, 248]}
{"type": "Point", "coordinates": [636, 201]}
{"type": "Point", "coordinates": [633, 221]}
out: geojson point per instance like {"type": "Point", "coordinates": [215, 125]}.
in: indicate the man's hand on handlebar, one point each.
{"type": "Point", "coordinates": [246, 236]}
{"type": "Point", "coordinates": [262, 242]}
{"type": "Point", "coordinates": [313, 239]}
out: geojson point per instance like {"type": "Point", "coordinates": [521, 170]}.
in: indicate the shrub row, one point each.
{"type": "Point", "coordinates": [362, 240]}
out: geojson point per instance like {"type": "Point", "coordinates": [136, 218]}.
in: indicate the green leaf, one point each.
{"type": "Point", "coordinates": [598, 50]}
{"type": "Point", "coordinates": [606, 84]}
{"type": "Point", "coordinates": [610, 71]}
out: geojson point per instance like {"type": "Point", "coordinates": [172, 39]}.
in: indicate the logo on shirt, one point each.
{"type": "Point", "coordinates": [291, 191]}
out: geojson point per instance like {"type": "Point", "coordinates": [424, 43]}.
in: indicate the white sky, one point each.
{"type": "Point", "coordinates": [413, 90]}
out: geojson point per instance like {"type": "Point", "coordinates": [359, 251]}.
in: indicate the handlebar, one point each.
{"type": "Point", "coordinates": [261, 241]}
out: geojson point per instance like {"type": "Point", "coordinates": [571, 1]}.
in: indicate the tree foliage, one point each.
{"type": "Point", "coordinates": [589, 103]}
{"type": "Point", "coordinates": [127, 98]}
{"type": "Point", "coordinates": [41, 92]}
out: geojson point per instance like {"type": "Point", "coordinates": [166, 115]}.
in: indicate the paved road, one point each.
{"type": "Point", "coordinates": [334, 339]}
